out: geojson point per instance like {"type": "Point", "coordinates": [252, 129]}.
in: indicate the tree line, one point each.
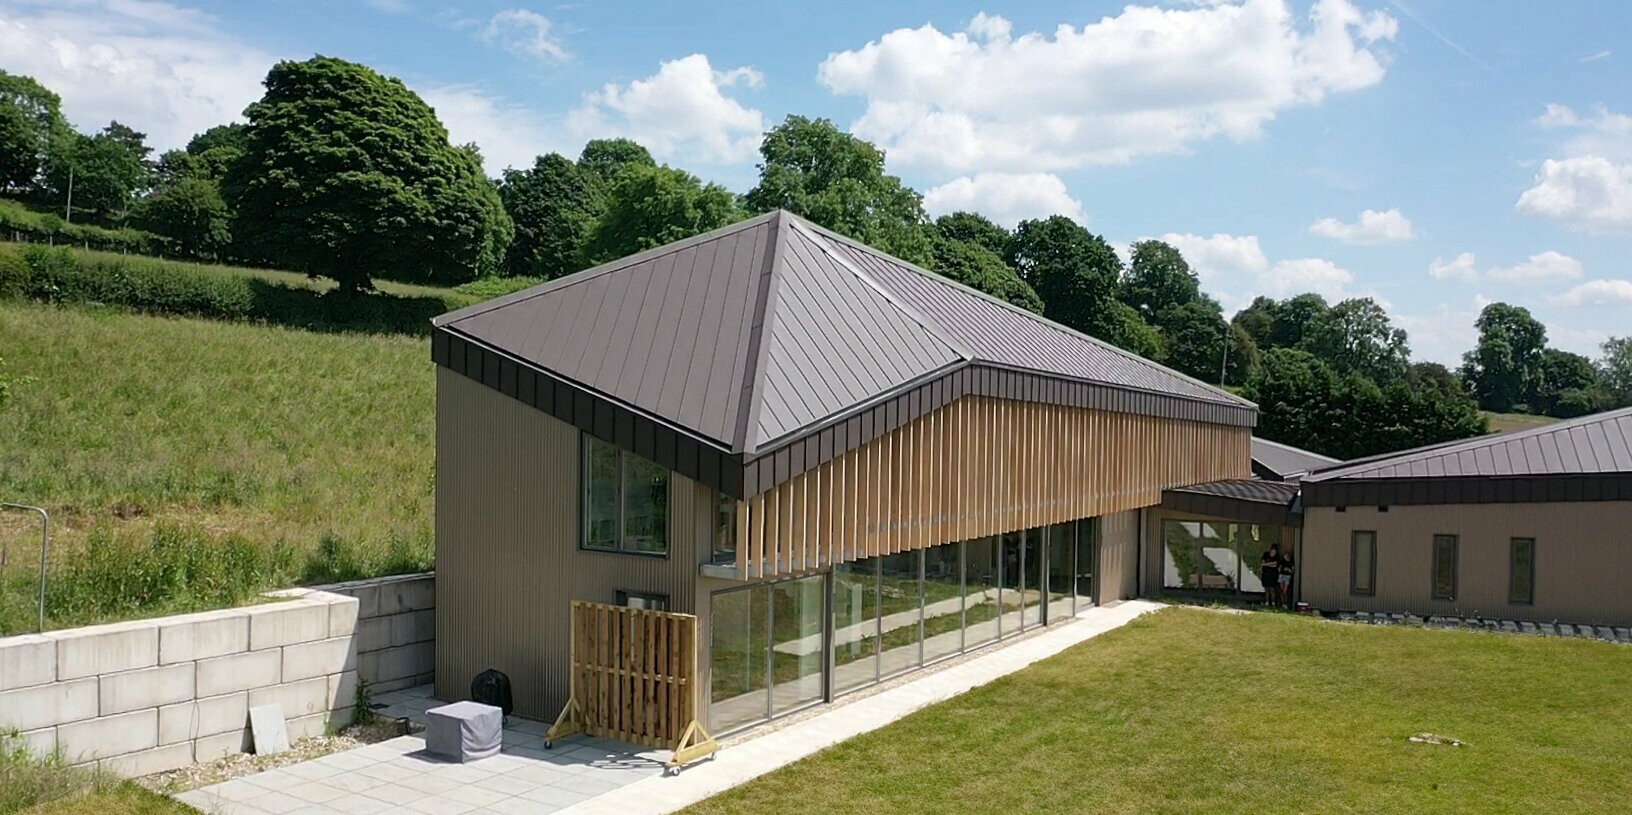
{"type": "Point", "coordinates": [341, 172]}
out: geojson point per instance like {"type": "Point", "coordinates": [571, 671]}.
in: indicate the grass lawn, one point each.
{"type": "Point", "coordinates": [132, 428]}
{"type": "Point", "coordinates": [1191, 710]}
{"type": "Point", "coordinates": [1506, 422]}
{"type": "Point", "coordinates": [123, 799]}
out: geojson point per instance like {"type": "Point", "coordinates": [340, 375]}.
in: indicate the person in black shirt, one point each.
{"type": "Point", "coordinates": [1286, 568]}
{"type": "Point", "coordinates": [1269, 574]}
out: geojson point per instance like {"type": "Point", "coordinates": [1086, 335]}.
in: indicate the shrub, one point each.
{"type": "Point", "coordinates": [487, 288]}
{"type": "Point", "coordinates": [19, 223]}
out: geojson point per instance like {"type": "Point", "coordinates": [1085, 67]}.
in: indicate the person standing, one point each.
{"type": "Point", "coordinates": [1285, 569]}
{"type": "Point", "coordinates": [1269, 574]}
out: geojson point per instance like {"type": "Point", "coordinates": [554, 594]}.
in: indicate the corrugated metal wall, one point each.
{"type": "Point", "coordinates": [1119, 556]}
{"type": "Point", "coordinates": [1583, 559]}
{"type": "Point", "coordinates": [508, 564]}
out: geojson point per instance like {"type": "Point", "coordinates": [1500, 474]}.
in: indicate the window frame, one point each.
{"type": "Point", "coordinates": [1354, 550]}
{"type": "Point", "coordinates": [1455, 542]}
{"type": "Point", "coordinates": [1512, 553]}
{"type": "Point", "coordinates": [620, 537]}
{"type": "Point", "coordinates": [650, 598]}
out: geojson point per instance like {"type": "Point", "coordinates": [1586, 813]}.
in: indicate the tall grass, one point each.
{"type": "Point", "coordinates": [190, 463]}
{"type": "Point", "coordinates": [28, 779]}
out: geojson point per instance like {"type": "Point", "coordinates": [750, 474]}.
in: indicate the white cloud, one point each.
{"type": "Point", "coordinates": [1543, 267]}
{"type": "Point", "coordinates": [681, 112]}
{"type": "Point", "coordinates": [1595, 57]}
{"type": "Point", "coordinates": [162, 69]}
{"type": "Point", "coordinates": [1443, 334]}
{"type": "Point", "coordinates": [525, 33]}
{"type": "Point", "coordinates": [1590, 187]}
{"type": "Point", "coordinates": [1612, 292]}
{"type": "Point", "coordinates": [1235, 269]}
{"type": "Point", "coordinates": [1006, 198]}
{"type": "Point", "coordinates": [1373, 227]}
{"type": "Point", "coordinates": [1221, 257]}
{"type": "Point", "coordinates": [1148, 81]}
{"type": "Point", "coordinates": [509, 135]}
{"type": "Point", "coordinates": [1462, 268]}
{"type": "Point", "coordinates": [1319, 275]}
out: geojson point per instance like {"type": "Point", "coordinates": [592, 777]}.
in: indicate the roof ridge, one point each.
{"type": "Point", "coordinates": [759, 347]}
{"type": "Point", "coordinates": [593, 272]}
{"type": "Point", "coordinates": [1040, 319]}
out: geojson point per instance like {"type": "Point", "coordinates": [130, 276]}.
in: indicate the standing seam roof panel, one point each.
{"type": "Point", "coordinates": [725, 389]}
{"type": "Point", "coordinates": [677, 352]}
{"type": "Point", "coordinates": [706, 359]}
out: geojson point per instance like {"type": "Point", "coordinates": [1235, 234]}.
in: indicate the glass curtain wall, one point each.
{"type": "Point", "coordinates": [739, 643]}
{"type": "Point", "coordinates": [1062, 556]}
{"type": "Point", "coordinates": [855, 624]}
{"type": "Point", "coordinates": [797, 647]}
{"type": "Point", "coordinates": [943, 601]}
{"type": "Point", "coordinates": [1031, 577]}
{"type": "Point", "coordinates": [1087, 561]}
{"type": "Point", "coordinates": [980, 591]}
{"type": "Point", "coordinates": [1215, 556]}
{"type": "Point", "coordinates": [1012, 546]}
{"type": "Point", "coordinates": [901, 601]}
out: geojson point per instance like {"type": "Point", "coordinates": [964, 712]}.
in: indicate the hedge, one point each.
{"type": "Point", "coordinates": [19, 223]}
{"type": "Point", "coordinates": [149, 285]}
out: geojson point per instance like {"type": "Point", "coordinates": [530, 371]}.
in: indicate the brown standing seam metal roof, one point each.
{"type": "Point", "coordinates": [775, 336]}
{"type": "Point", "coordinates": [1283, 462]}
{"type": "Point", "coordinates": [1256, 501]}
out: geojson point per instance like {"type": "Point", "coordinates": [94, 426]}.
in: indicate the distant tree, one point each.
{"type": "Point", "coordinates": [1299, 401]}
{"type": "Point", "coordinates": [1195, 335]}
{"type": "Point", "coordinates": [652, 206]}
{"type": "Point", "coordinates": [1356, 335]}
{"type": "Point", "coordinates": [979, 268]}
{"type": "Point", "coordinates": [348, 174]}
{"type": "Point", "coordinates": [1568, 386]}
{"type": "Point", "coordinates": [602, 159]}
{"type": "Point", "coordinates": [972, 227]}
{"type": "Point", "coordinates": [1505, 367]}
{"type": "Point", "coordinates": [553, 204]}
{"type": "Point", "coordinates": [1615, 369]}
{"type": "Point", "coordinates": [189, 211]}
{"type": "Point", "coordinates": [232, 136]}
{"type": "Point", "coordinates": [1434, 375]}
{"type": "Point", "coordinates": [1073, 270]}
{"type": "Point", "coordinates": [1158, 278]}
{"type": "Point", "coordinates": [1130, 332]}
{"type": "Point", "coordinates": [1281, 323]}
{"type": "Point", "coordinates": [30, 123]}
{"type": "Point", "coordinates": [1414, 417]}
{"type": "Point", "coordinates": [813, 169]}
{"type": "Point", "coordinates": [106, 170]}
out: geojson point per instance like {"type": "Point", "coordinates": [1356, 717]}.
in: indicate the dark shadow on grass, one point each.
{"type": "Point", "coordinates": [339, 312]}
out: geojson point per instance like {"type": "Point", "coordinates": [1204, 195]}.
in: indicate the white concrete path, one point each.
{"type": "Point", "coordinates": [736, 765]}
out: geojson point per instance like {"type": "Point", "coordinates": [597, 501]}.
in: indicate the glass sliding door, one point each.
{"type": "Point", "coordinates": [980, 592]}
{"type": "Point", "coordinates": [1031, 577]}
{"type": "Point", "coordinates": [901, 600]}
{"type": "Point", "coordinates": [1012, 545]}
{"type": "Point", "coordinates": [855, 624]}
{"type": "Point", "coordinates": [797, 647]}
{"type": "Point", "coordinates": [943, 601]}
{"type": "Point", "coordinates": [1061, 548]}
{"type": "Point", "coordinates": [1087, 569]}
{"type": "Point", "coordinates": [739, 644]}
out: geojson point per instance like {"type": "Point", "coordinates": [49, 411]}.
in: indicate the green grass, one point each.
{"type": "Point", "coordinates": [1193, 711]}
{"type": "Point", "coordinates": [45, 785]}
{"type": "Point", "coordinates": [257, 455]}
{"type": "Point", "coordinates": [126, 798]}
{"type": "Point", "coordinates": [1506, 422]}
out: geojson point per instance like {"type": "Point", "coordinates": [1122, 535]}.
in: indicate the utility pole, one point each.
{"type": "Point", "coordinates": [1225, 362]}
{"type": "Point", "coordinates": [68, 208]}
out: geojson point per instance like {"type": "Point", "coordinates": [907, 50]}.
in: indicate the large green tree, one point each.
{"type": "Point", "coordinates": [102, 173]}
{"type": "Point", "coordinates": [190, 213]}
{"type": "Point", "coordinates": [1158, 278]}
{"type": "Point", "coordinates": [1568, 386]}
{"type": "Point", "coordinates": [972, 227]}
{"type": "Point", "coordinates": [553, 204]}
{"type": "Point", "coordinates": [602, 159]}
{"type": "Point", "coordinates": [1073, 270]}
{"type": "Point", "coordinates": [813, 169]}
{"type": "Point", "coordinates": [1356, 335]}
{"type": "Point", "coordinates": [1198, 341]}
{"type": "Point", "coordinates": [1504, 368]}
{"type": "Point", "coordinates": [979, 268]}
{"type": "Point", "coordinates": [1615, 368]}
{"type": "Point", "coordinates": [652, 206]}
{"type": "Point", "coordinates": [30, 122]}
{"type": "Point", "coordinates": [348, 174]}
{"type": "Point", "coordinates": [1282, 323]}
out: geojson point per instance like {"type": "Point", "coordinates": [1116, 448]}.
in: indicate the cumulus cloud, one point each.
{"type": "Point", "coordinates": [1318, 275]}
{"type": "Point", "coordinates": [1462, 267]}
{"type": "Point", "coordinates": [1007, 198]}
{"type": "Point", "coordinates": [1611, 292]}
{"type": "Point", "coordinates": [526, 34]}
{"type": "Point", "coordinates": [1442, 335]}
{"type": "Point", "coordinates": [1148, 81]}
{"type": "Point", "coordinates": [1590, 186]}
{"type": "Point", "coordinates": [1234, 268]}
{"type": "Point", "coordinates": [681, 112]}
{"type": "Point", "coordinates": [508, 135]}
{"type": "Point", "coordinates": [1373, 227]}
{"type": "Point", "coordinates": [1547, 266]}
{"type": "Point", "coordinates": [162, 69]}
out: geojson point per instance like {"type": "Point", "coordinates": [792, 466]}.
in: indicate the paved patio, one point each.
{"type": "Point", "coordinates": [397, 776]}
{"type": "Point", "coordinates": [587, 775]}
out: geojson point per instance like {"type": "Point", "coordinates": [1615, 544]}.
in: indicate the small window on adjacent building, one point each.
{"type": "Point", "coordinates": [1363, 563]}
{"type": "Point", "coordinates": [725, 528]}
{"type": "Point", "coordinates": [626, 501]}
{"type": "Point", "coordinates": [1521, 586]}
{"type": "Point", "coordinates": [643, 600]}
{"type": "Point", "coordinates": [1444, 567]}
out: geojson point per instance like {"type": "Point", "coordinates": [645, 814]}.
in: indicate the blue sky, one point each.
{"type": "Point", "coordinates": [1436, 154]}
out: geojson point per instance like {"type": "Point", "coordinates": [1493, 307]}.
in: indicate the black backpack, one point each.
{"type": "Point", "coordinates": [492, 687]}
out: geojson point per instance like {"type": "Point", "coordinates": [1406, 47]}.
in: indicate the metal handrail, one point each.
{"type": "Point", "coordinates": [45, 538]}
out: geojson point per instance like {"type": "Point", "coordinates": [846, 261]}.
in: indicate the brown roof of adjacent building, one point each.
{"type": "Point", "coordinates": [752, 336]}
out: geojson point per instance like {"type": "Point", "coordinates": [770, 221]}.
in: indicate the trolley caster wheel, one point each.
{"type": "Point", "coordinates": [549, 745]}
{"type": "Point", "coordinates": [672, 771]}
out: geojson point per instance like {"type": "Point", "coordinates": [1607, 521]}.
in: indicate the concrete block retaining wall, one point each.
{"type": "Point", "coordinates": [153, 695]}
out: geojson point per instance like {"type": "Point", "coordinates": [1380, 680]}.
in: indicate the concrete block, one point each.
{"type": "Point", "coordinates": [342, 689]}
{"type": "Point", "coordinates": [368, 600]}
{"type": "Point", "coordinates": [412, 627]}
{"type": "Point", "coordinates": [202, 636]}
{"type": "Point", "coordinates": [273, 626]}
{"type": "Point", "coordinates": [238, 672]}
{"type": "Point", "coordinates": [343, 616]}
{"type": "Point", "coordinates": [106, 649]}
{"type": "Point", "coordinates": [374, 634]}
{"type": "Point", "coordinates": [42, 742]}
{"type": "Point", "coordinates": [147, 762]}
{"type": "Point", "coordinates": [148, 687]}
{"type": "Point", "coordinates": [306, 727]}
{"type": "Point", "coordinates": [30, 659]}
{"type": "Point", "coordinates": [205, 717]}
{"type": "Point", "coordinates": [109, 736]}
{"type": "Point", "coordinates": [210, 748]}
{"type": "Point", "coordinates": [368, 667]}
{"type": "Point", "coordinates": [303, 698]}
{"type": "Point", "coordinates": [406, 660]}
{"type": "Point", "coordinates": [388, 685]}
{"type": "Point", "coordinates": [309, 659]}
{"type": "Point", "coordinates": [49, 705]}
{"type": "Point", "coordinates": [408, 595]}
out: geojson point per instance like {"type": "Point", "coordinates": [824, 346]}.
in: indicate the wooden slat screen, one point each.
{"type": "Point", "coordinates": [979, 466]}
{"type": "Point", "coordinates": [633, 672]}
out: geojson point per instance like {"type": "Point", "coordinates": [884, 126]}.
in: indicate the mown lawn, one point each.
{"type": "Point", "coordinates": [1196, 711]}
{"type": "Point", "coordinates": [133, 429]}
{"type": "Point", "coordinates": [1507, 422]}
